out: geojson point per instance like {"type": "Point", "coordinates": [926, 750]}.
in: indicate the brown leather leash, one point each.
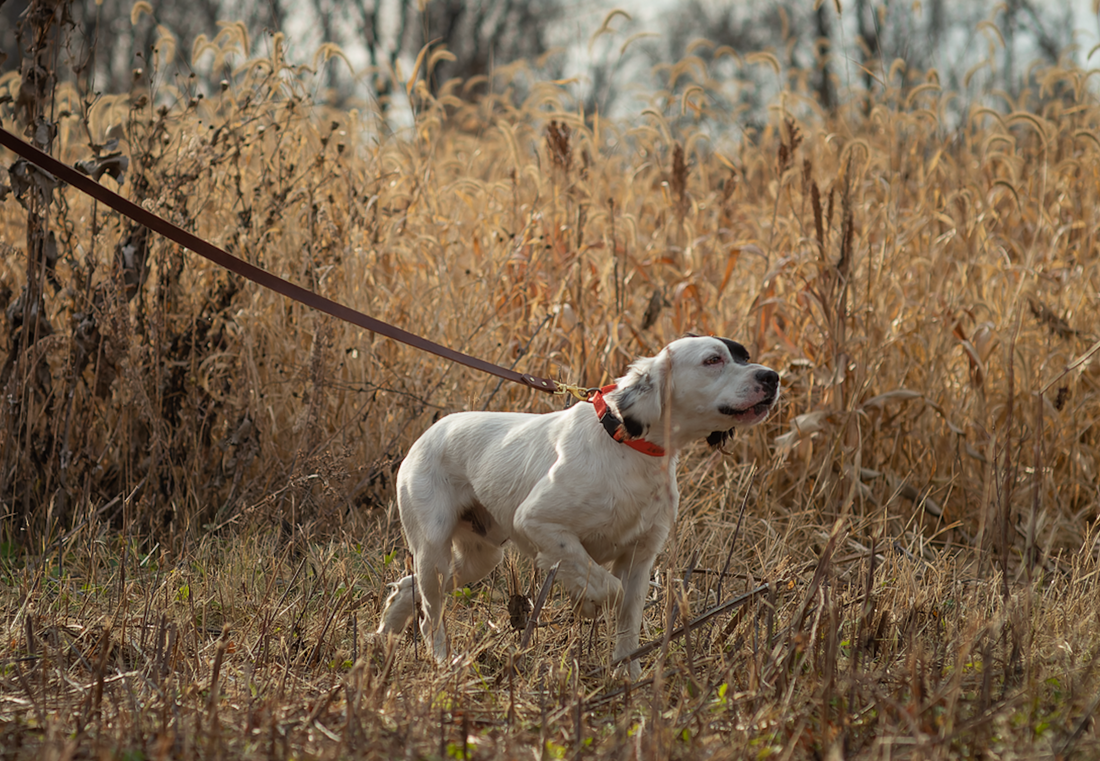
{"type": "Point", "coordinates": [260, 276]}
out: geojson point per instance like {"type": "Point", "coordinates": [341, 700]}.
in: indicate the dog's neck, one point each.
{"type": "Point", "coordinates": [624, 430]}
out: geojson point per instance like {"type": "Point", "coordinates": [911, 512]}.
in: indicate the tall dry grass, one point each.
{"type": "Point", "coordinates": [197, 473]}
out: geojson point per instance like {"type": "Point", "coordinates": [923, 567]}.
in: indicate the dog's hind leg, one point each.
{"type": "Point", "coordinates": [428, 556]}
{"type": "Point", "coordinates": [473, 559]}
{"type": "Point", "coordinates": [429, 513]}
{"type": "Point", "coordinates": [400, 607]}
{"type": "Point", "coordinates": [454, 542]}
{"type": "Point", "coordinates": [431, 570]}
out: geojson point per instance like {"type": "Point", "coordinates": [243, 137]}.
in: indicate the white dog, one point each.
{"type": "Point", "coordinates": [564, 490]}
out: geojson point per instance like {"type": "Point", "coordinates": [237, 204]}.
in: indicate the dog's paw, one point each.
{"type": "Point", "coordinates": [592, 602]}
{"type": "Point", "coordinates": [438, 640]}
{"type": "Point", "coordinates": [588, 608]}
{"type": "Point", "coordinates": [629, 671]}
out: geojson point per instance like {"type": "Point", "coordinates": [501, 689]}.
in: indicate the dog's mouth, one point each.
{"type": "Point", "coordinates": [759, 409]}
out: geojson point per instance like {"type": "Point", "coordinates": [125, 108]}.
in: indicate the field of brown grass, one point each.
{"type": "Point", "coordinates": [198, 519]}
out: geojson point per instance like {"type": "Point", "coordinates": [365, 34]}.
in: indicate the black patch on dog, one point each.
{"type": "Point", "coordinates": [739, 353]}
{"type": "Point", "coordinates": [718, 438]}
{"type": "Point", "coordinates": [626, 396]}
{"type": "Point", "coordinates": [634, 429]}
{"type": "Point", "coordinates": [477, 518]}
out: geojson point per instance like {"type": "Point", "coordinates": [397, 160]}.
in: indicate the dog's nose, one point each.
{"type": "Point", "coordinates": [768, 380]}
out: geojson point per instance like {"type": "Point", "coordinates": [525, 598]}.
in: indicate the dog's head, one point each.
{"type": "Point", "coordinates": [710, 385]}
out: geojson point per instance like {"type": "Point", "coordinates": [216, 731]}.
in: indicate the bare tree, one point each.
{"type": "Point", "coordinates": [485, 33]}
{"type": "Point", "coordinates": [826, 88]}
{"type": "Point", "coordinates": [382, 50]}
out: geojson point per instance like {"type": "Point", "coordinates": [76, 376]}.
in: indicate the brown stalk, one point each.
{"type": "Point", "coordinates": [533, 616]}
{"type": "Point", "coordinates": [1009, 464]}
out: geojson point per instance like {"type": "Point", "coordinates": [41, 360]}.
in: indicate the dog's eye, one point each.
{"type": "Point", "coordinates": [714, 360]}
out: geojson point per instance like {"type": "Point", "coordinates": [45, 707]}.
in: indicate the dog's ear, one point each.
{"type": "Point", "coordinates": [718, 438]}
{"type": "Point", "coordinates": [640, 394]}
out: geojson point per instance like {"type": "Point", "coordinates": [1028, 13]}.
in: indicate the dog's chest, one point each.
{"type": "Point", "coordinates": [637, 516]}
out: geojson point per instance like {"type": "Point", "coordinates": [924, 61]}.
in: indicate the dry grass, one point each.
{"type": "Point", "coordinates": [197, 474]}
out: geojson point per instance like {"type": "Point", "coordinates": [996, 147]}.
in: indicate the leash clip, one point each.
{"type": "Point", "coordinates": [580, 393]}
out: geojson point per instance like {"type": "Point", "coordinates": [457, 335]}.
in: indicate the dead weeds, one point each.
{"type": "Point", "coordinates": [197, 475]}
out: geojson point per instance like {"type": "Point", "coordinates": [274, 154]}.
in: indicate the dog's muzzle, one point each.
{"type": "Point", "coordinates": [768, 384]}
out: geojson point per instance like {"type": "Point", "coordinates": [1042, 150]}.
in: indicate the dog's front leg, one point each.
{"type": "Point", "coordinates": [590, 585]}
{"type": "Point", "coordinates": [635, 573]}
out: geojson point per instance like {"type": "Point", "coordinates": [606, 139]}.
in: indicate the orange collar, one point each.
{"type": "Point", "coordinates": [613, 424]}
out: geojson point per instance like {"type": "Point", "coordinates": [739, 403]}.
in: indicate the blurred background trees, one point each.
{"type": "Point", "coordinates": [976, 48]}
{"type": "Point", "coordinates": [840, 49]}
{"type": "Point", "coordinates": [378, 38]}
